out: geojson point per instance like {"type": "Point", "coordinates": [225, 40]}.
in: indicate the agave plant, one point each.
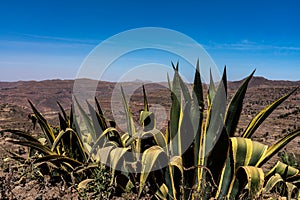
{"type": "Point", "coordinates": [57, 150]}
{"type": "Point", "coordinates": [216, 163]}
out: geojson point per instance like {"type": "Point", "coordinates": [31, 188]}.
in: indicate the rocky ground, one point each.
{"type": "Point", "coordinates": [17, 182]}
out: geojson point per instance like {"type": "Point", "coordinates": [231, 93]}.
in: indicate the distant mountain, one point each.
{"type": "Point", "coordinates": [45, 94]}
{"type": "Point", "coordinates": [259, 81]}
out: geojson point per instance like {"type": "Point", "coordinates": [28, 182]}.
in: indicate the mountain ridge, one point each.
{"type": "Point", "coordinates": [44, 94]}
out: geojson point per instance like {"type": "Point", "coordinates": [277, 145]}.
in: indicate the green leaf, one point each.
{"type": "Point", "coordinates": [129, 119]}
{"type": "Point", "coordinates": [44, 125]}
{"type": "Point", "coordinates": [62, 123]}
{"type": "Point", "coordinates": [185, 91]}
{"type": "Point", "coordinates": [103, 154]}
{"type": "Point", "coordinates": [98, 122]}
{"type": "Point", "coordinates": [159, 138]}
{"type": "Point", "coordinates": [262, 115]}
{"type": "Point", "coordinates": [224, 80]}
{"type": "Point", "coordinates": [276, 181]}
{"type": "Point", "coordinates": [197, 109]}
{"type": "Point", "coordinates": [150, 157]}
{"type": "Point", "coordinates": [243, 152]}
{"type": "Point", "coordinates": [197, 87]}
{"type": "Point", "coordinates": [146, 106]}
{"type": "Point", "coordinates": [79, 145]}
{"type": "Point", "coordinates": [34, 145]}
{"type": "Point", "coordinates": [14, 155]}
{"type": "Point", "coordinates": [275, 148]}
{"type": "Point", "coordinates": [253, 178]}
{"type": "Point", "coordinates": [124, 138]}
{"type": "Point", "coordinates": [235, 107]}
{"type": "Point", "coordinates": [124, 183]}
{"type": "Point", "coordinates": [112, 134]}
{"type": "Point", "coordinates": [99, 107]}
{"type": "Point", "coordinates": [175, 113]}
{"type": "Point", "coordinates": [175, 68]}
{"type": "Point", "coordinates": [83, 184]}
{"type": "Point", "coordinates": [59, 159]}
{"type": "Point", "coordinates": [215, 119]}
{"type": "Point", "coordinates": [23, 134]}
{"type": "Point", "coordinates": [216, 161]}
{"type": "Point", "coordinates": [211, 90]}
{"type": "Point", "coordinates": [292, 191]}
{"type": "Point", "coordinates": [65, 117]}
{"type": "Point", "coordinates": [147, 120]}
{"type": "Point", "coordinates": [284, 170]}
{"type": "Point", "coordinates": [86, 120]}
{"type": "Point", "coordinates": [273, 181]}
{"type": "Point", "coordinates": [162, 192]}
{"type": "Point", "coordinates": [175, 176]}
{"type": "Point", "coordinates": [115, 157]}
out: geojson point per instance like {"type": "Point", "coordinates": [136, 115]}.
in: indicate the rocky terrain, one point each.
{"type": "Point", "coordinates": [14, 110]}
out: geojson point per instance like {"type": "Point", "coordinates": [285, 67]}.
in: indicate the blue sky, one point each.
{"type": "Point", "coordinates": [50, 39]}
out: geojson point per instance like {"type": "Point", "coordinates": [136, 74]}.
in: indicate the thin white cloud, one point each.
{"type": "Point", "coordinates": [248, 45]}
{"type": "Point", "coordinates": [42, 46]}
{"type": "Point", "coordinates": [45, 41]}
{"type": "Point", "coordinates": [60, 39]}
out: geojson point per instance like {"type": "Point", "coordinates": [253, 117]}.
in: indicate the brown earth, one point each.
{"type": "Point", "coordinates": [14, 109]}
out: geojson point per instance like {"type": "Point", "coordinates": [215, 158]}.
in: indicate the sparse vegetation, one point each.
{"type": "Point", "coordinates": [288, 158]}
{"type": "Point", "coordinates": [201, 154]}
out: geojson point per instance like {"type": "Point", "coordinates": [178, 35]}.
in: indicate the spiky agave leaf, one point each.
{"type": "Point", "coordinates": [211, 90]}
{"type": "Point", "coordinates": [19, 133]}
{"type": "Point", "coordinates": [123, 184]}
{"type": "Point", "coordinates": [147, 118]}
{"type": "Point", "coordinates": [273, 182]}
{"type": "Point", "coordinates": [250, 177]}
{"type": "Point", "coordinates": [34, 145]}
{"type": "Point", "coordinates": [65, 116]}
{"type": "Point", "coordinates": [59, 159]}
{"type": "Point", "coordinates": [284, 170]}
{"type": "Point", "coordinates": [162, 192]}
{"type": "Point", "coordinates": [97, 122]}
{"type": "Point", "coordinates": [283, 175]}
{"type": "Point", "coordinates": [45, 126]}
{"type": "Point", "coordinates": [262, 115]}
{"type": "Point", "coordinates": [176, 177]}
{"type": "Point", "coordinates": [129, 119]}
{"type": "Point", "coordinates": [188, 127]}
{"type": "Point", "coordinates": [276, 183]}
{"type": "Point", "coordinates": [214, 126]}
{"type": "Point", "coordinates": [151, 156]}
{"type": "Point", "coordinates": [216, 160]}
{"type": "Point", "coordinates": [197, 112]}
{"type": "Point", "coordinates": [76, 146]}
{"type": "Point", "coordinates": [235, 107]}
{"type": "Point", "coordinates": [275, 148]}
{"type": "Point", "coordinates": [87, 121]}
{"type": "Point", "coordinates": [83, 184]}
{"type": "Point", "coordinates": [14, 155]}
{"type": "Point", "coordinates": [243, 152]}
{"type": "Point", "coordinates": [215, 119]}
{"type": "Point", "coordinates": [116, 156]}
{"type": "Point", "coordinates": [175, 113]}
{"type": "Point", "coordinates": [109, 135]}
{"type": "Point", "coordinates": [197, 116]}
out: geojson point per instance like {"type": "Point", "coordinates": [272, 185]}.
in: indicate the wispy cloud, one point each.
{"type": "Point", "coordinates": [37, 44]}
{"type": "Point", "coordinates": [29, 41]}
{"type": "Point", "coordinates": [248, 45]}
{"type": "Point", "coordinates": [61, 39]}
